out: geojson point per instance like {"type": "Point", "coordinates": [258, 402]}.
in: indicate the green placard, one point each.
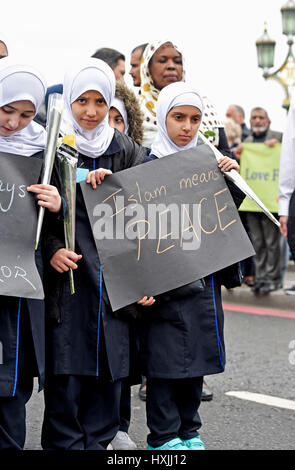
{"type": "Point", "coordinates": [259, 166]}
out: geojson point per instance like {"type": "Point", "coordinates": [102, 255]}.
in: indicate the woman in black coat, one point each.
{"type": "Point", "coordinates": [22, 327]}
{"type": "Point", "coordinates": [87, 345]}
{"type": "Point", "coordinates": [182, 333]}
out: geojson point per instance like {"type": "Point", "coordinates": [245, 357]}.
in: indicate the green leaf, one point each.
{"type": "Point", "coordinates": [209, 134]}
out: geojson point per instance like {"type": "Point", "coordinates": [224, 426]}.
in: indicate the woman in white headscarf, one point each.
{"type": "Point", "coordinates": [162, 63]}
{"type": "Point", "coordinates": [22, 90]}
{"type": "Point", "coordinates": [182, 338]}
{"type": "Point", "coordinates": [89, 344]}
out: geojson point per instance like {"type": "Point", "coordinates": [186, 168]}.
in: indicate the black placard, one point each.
{"type": "Point", "coordinates": [189, 226]}
{"type": "Point", "coordinates": [18, 223]}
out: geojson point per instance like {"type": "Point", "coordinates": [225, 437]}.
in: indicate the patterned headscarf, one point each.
{"type": "Point", "coordinates": [149, 95]}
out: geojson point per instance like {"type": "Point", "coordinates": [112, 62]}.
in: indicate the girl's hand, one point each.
{"type": "Point", "coordinates": [146, 301]}
{"type": "Point", "coordinates": [47, 195]}
{"type": "Point", "coordinates": [63, 260]}
{"type": "Point", "coordinates": [97, 176]}
{"type": "Point", "coordinates": [227, 164]}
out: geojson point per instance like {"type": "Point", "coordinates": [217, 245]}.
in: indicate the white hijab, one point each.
{"type": "Point", "coordinates": [120, 107]}
{"type": "Point", "coordinates": [21, 82]}
{"type": "Point", "coordinates": [97, 75]}
{"type": "Point", "coordinates": [175, 94]}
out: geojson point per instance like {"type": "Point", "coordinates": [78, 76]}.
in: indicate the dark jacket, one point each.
{"type": "Point", "coordinates": [245, 132]}
{"type": "Point", "coordinates": [182, 333]}
{"type": "Point", "coordinates": [84, 337]}
{"type": "Point", "coordinates": [22, 333]}
{"type": "Point", "coordinates": [223, 146]}
{"type": "Point", "coordinates": [269, 134]}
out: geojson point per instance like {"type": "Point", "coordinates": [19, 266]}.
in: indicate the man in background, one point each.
{"type": "Point", "coordinates": [265, 235]}
{"type": "Point", "coordinates": [115, 59]}
{"type": "Point", "coordinates": [237, 113]}
{"type": "Point", "coordinates": [135, 61]}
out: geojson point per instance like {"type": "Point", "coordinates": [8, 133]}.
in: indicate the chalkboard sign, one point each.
{"type": "Point", "coordinates": [163, 224]}
{"type": "Point", "coordinates": [18, 223]}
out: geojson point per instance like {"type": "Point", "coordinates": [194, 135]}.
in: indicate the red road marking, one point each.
{"type": "Point", "coordinates": [259, 311]}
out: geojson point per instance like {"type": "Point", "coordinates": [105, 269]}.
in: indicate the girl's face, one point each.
{"type": "Point", "coordinates": [115, 120]}
{"type": "Point", "coordinates": [182, 124]}
{"type": "Point", "coordinates": [166, 66]}
{"type": "Point", "coordinates": [15, 116]}
{"type": "Point", "coordinates": [90, 109]}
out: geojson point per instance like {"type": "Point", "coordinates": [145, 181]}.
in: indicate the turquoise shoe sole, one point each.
{"type": "Point", "coordinates": [174, 444]}
{"type": "Point", "coordinates": [194, 444]}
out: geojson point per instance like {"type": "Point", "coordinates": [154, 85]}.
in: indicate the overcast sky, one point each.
{"type": "Point", "coordinates": [217, 39]}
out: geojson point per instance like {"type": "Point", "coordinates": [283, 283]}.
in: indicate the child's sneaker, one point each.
{"type": "Point", "coordinates": [194, 444]}
{"type": "Point", "coordinates": [174, 444]}
{"type": "Point", "coordinates": [122, 441]}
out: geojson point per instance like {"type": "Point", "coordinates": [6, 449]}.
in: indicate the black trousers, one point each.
{"type": "Point", "coordinates": [13, 416]}
{"type": "Point", "coordinates": [265, 237]}
{"type": "Point", "coordinates": [125, 406]}
{"type": "Point", "coordinates": [13, 408]}
{"type": "Point", "coordinates": [172, 409]}
{"type": "Point", "coordinates": [81, 412]}
{"type": "Point", "coordinates": [247, 265]}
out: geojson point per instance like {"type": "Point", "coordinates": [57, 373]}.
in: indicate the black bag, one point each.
{"type": "Point", "coordinates": [231, 276]}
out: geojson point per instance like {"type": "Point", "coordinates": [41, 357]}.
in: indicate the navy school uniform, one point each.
{"type": "Point", "coordinates": [87, 345]}
{"type": "Point", "coordinates": [22, 334]}
{"type": "Point", "coordinates": [182, 341]}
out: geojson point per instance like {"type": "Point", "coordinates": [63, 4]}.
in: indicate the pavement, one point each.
{"type": "Point", "coordinates": [274, 300]}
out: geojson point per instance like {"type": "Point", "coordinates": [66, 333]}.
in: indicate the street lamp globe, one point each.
{"type": "Point", "coordinates": [288, 18]}
{"type": "Point", "coordinates": [265, 50]}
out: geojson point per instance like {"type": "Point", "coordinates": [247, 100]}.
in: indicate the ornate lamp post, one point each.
{"type": "Point", "coordinates": [285, 74]}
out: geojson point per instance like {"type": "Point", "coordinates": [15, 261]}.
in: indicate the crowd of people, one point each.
{"type": "Point", "coordinates": [86, 357]}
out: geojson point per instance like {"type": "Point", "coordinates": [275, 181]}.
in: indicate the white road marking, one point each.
{"type": "Point", "coordinates": [264, 399]}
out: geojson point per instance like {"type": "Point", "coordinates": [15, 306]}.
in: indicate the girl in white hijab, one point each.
{"type": "Point", "coordinates": [82, 409]}
{"type": "Point", "coordinates": [179, 114]}
{"type": "Point", "coordinates": [174, 95]}
{"type": "Point", "coordinates": [22, 90]}
{"type": "Point", "coordinates": [180, 111]}
{"type": "Point", "coordinates": [21, 83]}
{"type": "Point", "coordinates": [119, 105]}
{"type": "Point", "coordinates": [92, 139]}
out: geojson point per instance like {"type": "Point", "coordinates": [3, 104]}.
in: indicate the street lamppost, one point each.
{"type": "Point", "coordinates": [285, 74]}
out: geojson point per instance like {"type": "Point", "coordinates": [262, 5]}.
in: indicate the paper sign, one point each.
{"type": "Point", "coordinates": [164, 224]}
{"type": "Point", "coordinates": [18, 222]}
